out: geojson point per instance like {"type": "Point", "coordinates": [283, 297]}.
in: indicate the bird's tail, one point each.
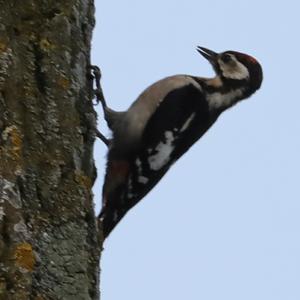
{"type": "Point", "coordinates": [113, 203]}
{"type": "Point", "coordinates": [106, 224]}
{"type": "Point", "coordinates": [108, 219]}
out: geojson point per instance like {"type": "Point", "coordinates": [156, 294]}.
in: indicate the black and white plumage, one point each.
{"type": "Point", "coordinates": [163, 123]}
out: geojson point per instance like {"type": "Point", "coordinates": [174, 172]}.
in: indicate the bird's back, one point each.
{"type": "Point", "coordinates": [134, 120]}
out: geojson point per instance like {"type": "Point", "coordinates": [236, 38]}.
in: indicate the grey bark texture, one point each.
{"type": "Point", "coordinates": [48, 237]}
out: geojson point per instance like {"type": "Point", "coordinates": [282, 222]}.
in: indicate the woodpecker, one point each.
{"type": "Point", "coordinates": [163, 123]}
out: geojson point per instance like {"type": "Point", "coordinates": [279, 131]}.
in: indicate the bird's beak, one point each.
{"type": "Point", "coordinates": [210, 55]}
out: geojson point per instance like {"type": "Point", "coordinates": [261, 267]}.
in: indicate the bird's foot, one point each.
{"type": "Point", "coordinates": [94, 73]}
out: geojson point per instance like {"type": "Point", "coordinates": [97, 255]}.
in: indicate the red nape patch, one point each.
{"type": "Point", "coordinates": [251, 59]}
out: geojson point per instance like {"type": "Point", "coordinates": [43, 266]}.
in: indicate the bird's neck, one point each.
{"type": "Point", "coordinates": [222, 95]}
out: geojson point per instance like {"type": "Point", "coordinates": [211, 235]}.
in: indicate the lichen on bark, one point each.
{"type": "Point", "coordinates": [48, 236]}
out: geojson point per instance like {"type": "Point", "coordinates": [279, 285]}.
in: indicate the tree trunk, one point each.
{"type": "Point", "coordinates": [48, 235]}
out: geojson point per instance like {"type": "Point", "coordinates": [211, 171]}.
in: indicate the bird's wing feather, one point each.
{"type": "Point", "coordinates": [179, 121]}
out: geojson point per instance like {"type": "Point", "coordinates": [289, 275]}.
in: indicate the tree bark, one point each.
{"type": "Point", "coordinates": [48, 236]}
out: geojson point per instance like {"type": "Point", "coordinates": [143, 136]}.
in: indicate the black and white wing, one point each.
{"type": "Point", "coordinates": [181, 118]}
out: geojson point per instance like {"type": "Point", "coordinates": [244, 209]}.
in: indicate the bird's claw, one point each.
{"type": "Point", "coordinates": [95, 75]}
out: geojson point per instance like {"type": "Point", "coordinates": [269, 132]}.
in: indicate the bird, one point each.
{"type": "Point", "coordinates": [163, 123]}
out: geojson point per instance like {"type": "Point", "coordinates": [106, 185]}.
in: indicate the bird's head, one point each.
{"type": "Point", "coordinates": [235, 68]}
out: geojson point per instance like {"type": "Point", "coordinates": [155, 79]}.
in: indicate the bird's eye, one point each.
{"type": "Point", "coordinates": [226, 58]}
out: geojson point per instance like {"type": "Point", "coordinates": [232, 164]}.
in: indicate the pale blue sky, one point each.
{"type": "Point", "coordinates": [224, 223]}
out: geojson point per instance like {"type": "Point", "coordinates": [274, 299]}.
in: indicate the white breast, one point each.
{"type": "Point", "coordinates": [222, 101]}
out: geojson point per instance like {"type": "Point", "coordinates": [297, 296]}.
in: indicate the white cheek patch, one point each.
{"type": "Point", "coordinates": [234, 70]}
{"type": "Point", "coordinates": [164, 150]}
